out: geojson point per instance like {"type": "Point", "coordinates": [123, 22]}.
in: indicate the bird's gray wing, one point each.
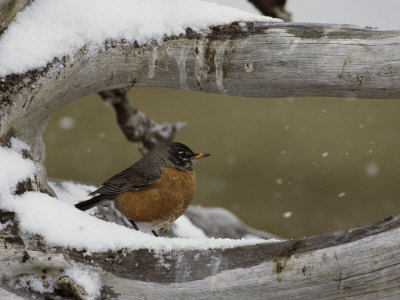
{"type": "Point", "coordinates": [136, 177]}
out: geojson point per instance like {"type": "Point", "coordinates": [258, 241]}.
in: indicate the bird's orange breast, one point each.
{"type": "Point", "coordinates": [162, 202]}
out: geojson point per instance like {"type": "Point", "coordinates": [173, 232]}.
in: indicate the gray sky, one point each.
{"type": "Point", "coordinates": [383, 14]}
{"type": "Point", "coordinates": [377, 13]}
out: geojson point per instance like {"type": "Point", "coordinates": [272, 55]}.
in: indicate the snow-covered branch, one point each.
{"type": "Point", "coordinates": [362, 262]}
{"type": "Point", "coordinates": [256, 60]}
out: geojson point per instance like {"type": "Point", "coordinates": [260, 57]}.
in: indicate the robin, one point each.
{"type": "Point", "coordinates": [155, 190]}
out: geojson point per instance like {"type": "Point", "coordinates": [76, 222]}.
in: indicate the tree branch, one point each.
{"type": "Point", "coordinates": [253, 60]}
{"type": "Point", "coordinates": [344, 264]}
{"type": "Point", "coordinates": [136, 126]}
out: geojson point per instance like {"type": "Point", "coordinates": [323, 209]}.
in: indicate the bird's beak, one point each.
{"type": "Point", "coordinates": [200, 155]}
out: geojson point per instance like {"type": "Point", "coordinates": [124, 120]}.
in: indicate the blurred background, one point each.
{"type": "Point", "coordinates": [294, 166]}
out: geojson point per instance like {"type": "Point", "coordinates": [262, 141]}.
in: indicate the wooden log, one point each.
{"type": "Point", "coordinates": [255, 60]}
{"type": "Point", "coordinates": [361, 262]}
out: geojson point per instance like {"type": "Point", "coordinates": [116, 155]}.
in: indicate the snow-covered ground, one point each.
{"type": "Point", "coordinates": [61, 224]}
{"type": "Point", "coordinates": [57, 28]}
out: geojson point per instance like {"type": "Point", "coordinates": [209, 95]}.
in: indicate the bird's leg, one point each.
{"type": "Point", "coordinates": [154, 233]}
{"type": "Point", "coordinates": [133, 224]}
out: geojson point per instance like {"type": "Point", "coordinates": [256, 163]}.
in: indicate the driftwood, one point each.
{"type": "Point", "coordinates": [361, 262]}
{"type": "Point", "coordinates": [256, 60]}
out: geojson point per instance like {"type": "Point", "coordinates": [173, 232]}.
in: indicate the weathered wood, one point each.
{"type": "Point", "coordinates": [8, 10]}
{"type": "Point", "coordinates": [361, 262]}
{"type": "Point", "coordinates": [256, 60]}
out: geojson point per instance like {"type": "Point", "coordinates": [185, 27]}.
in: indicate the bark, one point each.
{"type": "Point", "coordinates": [361, 262]}
{"type": "Point", "coordinates": [8, 10]}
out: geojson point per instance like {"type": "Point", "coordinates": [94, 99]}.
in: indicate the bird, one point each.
{"type": "Point", "coordinates": [154, 191]}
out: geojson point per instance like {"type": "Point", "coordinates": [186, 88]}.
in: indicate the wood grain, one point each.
{"type": "Point", "coordinates": [361, 262]}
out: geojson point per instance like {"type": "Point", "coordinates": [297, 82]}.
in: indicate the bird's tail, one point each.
{"type": "Point", "coordinates": [87, 204]}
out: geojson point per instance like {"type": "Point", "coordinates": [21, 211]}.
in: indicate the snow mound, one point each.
{"type": "Point", "coordinates": [88, 280]}
{"type": "Point", "coordinates": [55, 28]}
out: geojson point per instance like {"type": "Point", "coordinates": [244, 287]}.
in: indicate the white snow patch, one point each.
{"type": "Point", "coordinates": [89, 281]}
{"type": "Point", "coordinates": [287, 214]}
{"type": "Point", "coordinates": [325, 154]}
{"type": "Point", "coordinates": [19, 145]}
{"type": "Point", "coordinates": [55, 28]}
{"type": "Point", "coordinates": [251, 236]}
{"type": "Point", "coordinates": [36, 283]}
{"type": "Point", "coordinates": [71, 192]}
{"type": "Point", "coordinates": [184, 228]}
{"type": "Point", "coordinates": [61, 224]}
{"type": "Point", "coordinates": [13, 169]}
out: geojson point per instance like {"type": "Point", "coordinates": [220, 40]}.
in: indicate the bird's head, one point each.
{"type": "Point", "coordinates": [179, 156]}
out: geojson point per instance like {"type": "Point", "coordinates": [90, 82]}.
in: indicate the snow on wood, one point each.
{"type": "Point", "coordinates": [56, 28]}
